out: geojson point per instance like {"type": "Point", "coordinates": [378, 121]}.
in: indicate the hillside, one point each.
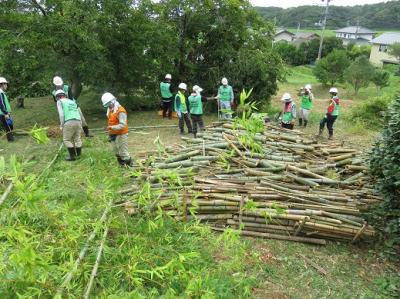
{"type": "Point", "coordinates": [376, 16]}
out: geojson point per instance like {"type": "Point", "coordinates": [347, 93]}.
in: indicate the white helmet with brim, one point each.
{"type": "Point", "coordinates": [107, 98]}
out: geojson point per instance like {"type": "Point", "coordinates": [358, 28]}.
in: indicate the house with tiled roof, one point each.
{"type": "Point", "coordinates": [355, 34]}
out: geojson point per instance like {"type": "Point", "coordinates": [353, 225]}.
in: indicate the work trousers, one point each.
{"type": "Point", "coordinates": [119, 144]}
{"type": "Point", "coordinates": [225, 105]}
{"type": "Point", "coordinates": [184, 117]}
{"type": "Point", "coordinates": [7, 128]}
{"type": "Point", "coordinates": [72, 133]}
{"type": "Point", "coordinates": [287, 126]}
{"type": "Point", "coordinates": [304, 113]}
{"type": "Point", "coordinates": [329, 120]}
{"type": "Point", "coordinates": [197, 120]}
{"type": "Point", "coordinates": [167, 108]}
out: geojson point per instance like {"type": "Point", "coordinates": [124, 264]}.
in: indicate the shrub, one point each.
{"type": "Point", "coordinates": [385, 168]}
{"type": "Point", "coordinates": [330, 69]}
{"type": "Point", "coordinates": [359, 73]}
{"type": "Point", "coordinates": [371, 112]}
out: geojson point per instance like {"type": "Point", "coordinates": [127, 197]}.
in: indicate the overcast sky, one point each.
{"type": "Point", "coordinates": [291, 3]}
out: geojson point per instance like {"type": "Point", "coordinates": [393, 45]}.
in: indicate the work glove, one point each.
{"type": "Point", "coordinates": [179, 114]}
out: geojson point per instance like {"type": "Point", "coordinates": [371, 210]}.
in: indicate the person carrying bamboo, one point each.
{"type": "Point", "coordinates": [181, 108]}
{"type": "Point", "coordinates": [59, 84]}
{"type": "Point", "coordinates": [225, 99]}
{"type": "Point", "coordinates": [306, 105]}
{"type": "Point", "coordinates": [117, 128]}
{"type": "Point", "coordinates": [5, 111]}
{"type": "Point", "coordinates": [331, 114]}
{"type": "Point", "coordinates": [196, 108]}
{"type": "Point", "coordinates": [166, 96]}
{"type": "Point", "coordinates": [289, 112]}
{"type": "Point", "coordinates": [70, 124]}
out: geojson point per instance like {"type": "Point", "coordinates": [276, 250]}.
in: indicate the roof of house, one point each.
{"type": "Point", "coordinates": [387, 38]}
{"type": "Point", "coordinates": [306, 35]}
{"type": "Point", "coordinates": [355, 29]}
{"type": "Point", "coordinates": [279, 31]}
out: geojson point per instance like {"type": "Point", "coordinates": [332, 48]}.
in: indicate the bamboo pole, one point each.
{"type": "Point", "coordinates": [96, 265]}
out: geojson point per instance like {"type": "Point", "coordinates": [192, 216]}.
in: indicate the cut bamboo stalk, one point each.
{"type": "Point", "coordinates": [96, 265]}
{"type": "Point", "coordinates": [275, 236]}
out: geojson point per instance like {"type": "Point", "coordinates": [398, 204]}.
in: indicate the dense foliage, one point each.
{"type": "Point", "coordinates": [382, 15]}
{"type": "Point", "coordinates": [385, 167]}
{"type": "Point", "coordinates": [127, 47]}
{"type": "Point", "coordinates": [331, 68]}
{"type": "Point", "coordinates": [360, 73]}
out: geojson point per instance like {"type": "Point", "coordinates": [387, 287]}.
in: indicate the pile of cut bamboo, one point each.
{"type": "Point", "coordinates": [295, 189]}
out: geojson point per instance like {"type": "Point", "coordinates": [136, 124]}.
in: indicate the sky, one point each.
{"type": "Point", "coordinates": [292, 3]}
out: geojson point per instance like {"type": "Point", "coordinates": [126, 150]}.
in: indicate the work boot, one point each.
{"type": "Point", "coordinates": [72, 154]}
{"type": "Point", "coordinates": [300, 122]}
{"type": "Point", "coordinates": [10, 137]}
{"type": "Point", "coordinates": [320, 132]}
{"type": "Point", "coordinates": [78, 151]}
{"type": "Point", "coordinates": [128, 163]}
{"type": "Point", "coordinates": [86, 131]}
{"type": "Point", "coordinates": [330, 136]}
{"type": "Point", "coordinates": [305, 123]}
{"type": "Point", "coordinates": [120, 161]}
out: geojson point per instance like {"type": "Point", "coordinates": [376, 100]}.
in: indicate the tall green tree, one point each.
{"type": "Point", "coordinates": [360, 73]}
{"type": "Point", "coordinates": [331, 68]}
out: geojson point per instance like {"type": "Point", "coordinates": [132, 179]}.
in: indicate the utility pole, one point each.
{"type": "Point", "coordinates": [323, 29]}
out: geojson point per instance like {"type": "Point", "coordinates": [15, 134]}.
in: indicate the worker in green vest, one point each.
{"type": "Point", "coordinates": [5, 111]}
{"type": "Point", "coordinates": [306, 105]}
{"type": "Point", "coordinates": [331, 114]}
{"type": "Point", "coordinates": [59, 84]}
{"type": "Point", "coordinates": [225, 97]}
{"type": "Point", "coordinates": [289, 112]}
{"type": "Point", "coordinates": [166, 96]}
{"type": "Point", "coordinates": [196, 108]}
{"type": "Point", "coordinates": [70, 124]}
{"type": "Point", "coordinates": [181, 108]}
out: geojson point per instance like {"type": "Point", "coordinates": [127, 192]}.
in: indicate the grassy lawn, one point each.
{"type": "Point", "coordinates": [45, 225]}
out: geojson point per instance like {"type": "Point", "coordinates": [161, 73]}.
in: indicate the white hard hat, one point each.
{"type": "Point", "coordinates": [106, 98]}
{"type": "Point", "coordinates": [57, 81]}
{"type": "Point", "coordinates": [59, 92]}
{"type": "Point", "coordinates": [3, 80]}
{"type": "Point", "coordinates": [308, 86]}
{"type": "Point", "coordinates": [224, 81]}
{"type": "Point", "coordinates": [197, 88]}
{"type": "Point", "coordinates": [333, 90]}
{"type": "Point", "coordinates": [168, 76]}
{"type": "Point", "coordinates": [286, 97]}
{"type": "Point", "coordinates": [182, 86]}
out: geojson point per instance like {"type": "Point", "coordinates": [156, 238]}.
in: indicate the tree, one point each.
{"type": "Point", "coordinates": [381, 78]}
{"type": "Point", "coordinates": [288, 52]}
{"type": "Point", "coordinates": [360, 73]}
{"type": "Point", "coordinates": [385, 168]}
{"type": "Point", "coordinates": [331, 68]}
{"type": "Point", "coordinates": [394, 50]}
{"type": "Point", "coordinates": [354, 51]}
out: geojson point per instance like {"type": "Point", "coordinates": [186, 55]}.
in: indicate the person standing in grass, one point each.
{"type": "Point", "coordinates": [306, 105]}
{"type": "Point", "coordinates": [59, 84]}
{"type": "Point", "coordinates": [70, 124]}
{"type": "Point", "coordinates": [166, 96]}
{"type": "Point", "coordinates": [289, 112]}
{"type": "Point", "coordinates": [117, 128]}
{"type": "Point", "coordinates": [182, 109]}
{"type": "Point", "coordinates": [225, 97]}
{"type": "Point", "coordinates": [196, 108]}
{"type": "Point", "coordinates": [331, 114]}
{"type": "Point", "coordinates": [5, 111]}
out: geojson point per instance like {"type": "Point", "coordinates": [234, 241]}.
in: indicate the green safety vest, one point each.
{"type": "Point", "coordinates": [306, 102]}
{"type": "Point", "coordinates": [183, 107]}
{"type": "Point", "coordinates": [195, 104]}
{"type": "Point", "coordinates": [70, 109]}
{"type": "Point", "coordinates": [165, 90]}
{"type": "Point", "coordinates": [336, 109]}
{"type": "Point", "coordinates": [6, 102]}
{"type": "Point", "coordinates": [225, 93]}
{"type": "Point", "coordinates": [287, 116]}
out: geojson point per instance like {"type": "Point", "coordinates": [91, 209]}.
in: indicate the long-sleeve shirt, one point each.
{"type": "Point", "coordinates": [122, 118]}
{"type": "Point", "coordinates": [3, 106]}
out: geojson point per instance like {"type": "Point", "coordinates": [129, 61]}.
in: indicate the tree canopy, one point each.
{"type": "Point", "coordinates": [127, 46]}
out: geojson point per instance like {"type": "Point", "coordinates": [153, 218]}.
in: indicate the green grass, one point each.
{"type": "Point", "coordinates": [45, 226]}
{"type": "Point", "coordinates": [327, 32]}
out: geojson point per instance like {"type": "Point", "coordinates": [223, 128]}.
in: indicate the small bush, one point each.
{"type": "Point", "coordinates": [372, 111]}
